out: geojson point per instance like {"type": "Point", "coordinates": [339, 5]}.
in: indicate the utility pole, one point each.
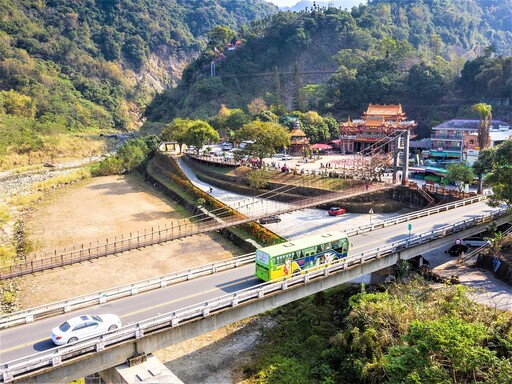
{"type": "Point", "coordinates": [405, 166]}
{"type": "Point", "coordinates": [396, 148]}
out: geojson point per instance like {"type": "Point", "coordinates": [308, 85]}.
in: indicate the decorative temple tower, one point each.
{"type": "Point", "coordinates": [376, 124]}
{"type": "Point", "coordinates": [298, 140]}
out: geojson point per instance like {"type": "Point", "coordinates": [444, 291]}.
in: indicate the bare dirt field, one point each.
{"type": "Point", "coordinates": [108, 207]}
{"type": "Point", "coordinates": [116, 205]}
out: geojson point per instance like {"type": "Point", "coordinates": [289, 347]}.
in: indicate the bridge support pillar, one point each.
{"type": "Point", "coordinates": [149, 371]}
{"type": "Point", "coordinates": [380, 276]}
{"type": "Point", "coordinates": [95, 378]}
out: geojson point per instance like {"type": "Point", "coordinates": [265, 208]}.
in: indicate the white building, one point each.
{"type": "Point", "coordinates": [497, 136]}
{"type": "Point", "coordinates": [455, 139]}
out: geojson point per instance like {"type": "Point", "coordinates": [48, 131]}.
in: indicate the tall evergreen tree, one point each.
{"type": "Point", "coordinates": [298, 102]}
{"type": "Point", "coordinates": [277, 98]}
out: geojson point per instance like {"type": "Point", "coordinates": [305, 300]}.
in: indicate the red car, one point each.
{"type": "Point", "coordinates": [335, 211]}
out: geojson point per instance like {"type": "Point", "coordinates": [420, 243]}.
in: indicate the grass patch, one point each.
{"type": "Point", "coordinates": [322, 182]}
{"type": "Point", "coordinates": [7, 255]}
{"type": "Point", "coordinates": [218, 169]}
{"type": "Point", "coordinates": [26, 200]}
{"type": "Point", "coordinates": [59, 148]}
{"type": "Point", "coordinates": [54, 182]}
{"type": "Point", "coordinates": [173, 187]}
{"type": "Point", "coordinates": [27, 168]}
{"type": "Point", "coordinates": [4, 214]}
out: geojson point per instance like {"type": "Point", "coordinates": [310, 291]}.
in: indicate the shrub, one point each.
{"type": "Point", "coordinates": [26, 200]}
{"type": "Point", "coordinates": [259, 178]}
{"type": "Point", "coordinates": [4, 214]}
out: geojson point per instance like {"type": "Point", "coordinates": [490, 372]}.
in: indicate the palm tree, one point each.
{"type": "Point", "coordinates": [485, 112]}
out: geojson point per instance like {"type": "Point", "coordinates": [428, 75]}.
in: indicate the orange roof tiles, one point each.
{"type": "Point", "coordinates": [384, 110]}
{"type": "Point", "coordinates": [297, 132]}
{"type": "Point", "coordinates": [375, 121]}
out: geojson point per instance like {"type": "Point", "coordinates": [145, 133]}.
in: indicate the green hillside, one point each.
{"type": "Point", "coordinates": [331, 60]}
{"type": "Point", "coordinates": [75, 66]}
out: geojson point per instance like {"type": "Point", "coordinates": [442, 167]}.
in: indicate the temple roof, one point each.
{"type": "Point", "coordinates": [384, 110]}
{"type": "Point", "coordinates": [296, 131]}
{"type": "Point", "coordinates": [375, 121]}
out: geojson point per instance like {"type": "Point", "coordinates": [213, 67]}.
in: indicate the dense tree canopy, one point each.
{"type": "Point", "coordinates": [267, 137]}
{"type": "Point", "coordinates": [384, 52]}
{"type": "Point", "coordinates": [199, 133]}
{"type": "Point", "coordinates": [497, 163]}
{"type": "Point", "coordinates": [84, 65]}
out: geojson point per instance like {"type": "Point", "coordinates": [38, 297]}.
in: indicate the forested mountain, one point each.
{"type": "Point", "coordinates": [85, 65]}
{"type": "Point", "coordinates": [75, 65]}
{"type": "Point", "coordinates": [329, 59]}
{"type": "Point", "coordinates": [308, 4]}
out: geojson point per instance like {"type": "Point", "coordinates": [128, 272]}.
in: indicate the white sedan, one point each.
{"type": "Point", "coordinates": [83, 327]}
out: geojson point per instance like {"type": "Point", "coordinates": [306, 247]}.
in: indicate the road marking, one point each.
{"type": "Point", "coordinates": [171, 301]}
{"type": "Point", "coordinates": [418, 227]}
{"type": "Point", "coordinates": [31, 343]}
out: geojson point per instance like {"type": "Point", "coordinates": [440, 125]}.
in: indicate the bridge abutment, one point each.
{"type": "Point", "coordinates": [151, 371]}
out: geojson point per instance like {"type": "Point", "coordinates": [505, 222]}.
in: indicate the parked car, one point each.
{"type": "Point", "coordinates": [475, 241]}
{"type": "Point", "coordinates": [226, 146]}
{"type": "Point", "coordinates": [335, 211]}
{"type": "Point", "coordinates": [83, 327]}
{"type": "Point", "coordinates": [270, 219]}
{"type": "Point", "coordinates": [286, 157]}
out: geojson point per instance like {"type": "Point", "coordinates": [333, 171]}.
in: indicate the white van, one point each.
{"type": "Point", "coordinates": [244, 144]}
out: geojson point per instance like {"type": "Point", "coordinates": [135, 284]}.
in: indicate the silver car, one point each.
{"type": "Point", "coordinates": [83, 327]}
{"type": "Point", "coordinates": [475, 241]}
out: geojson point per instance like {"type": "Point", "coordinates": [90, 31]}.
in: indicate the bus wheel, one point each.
{"type": "Point", "coordinates": [296, 272]}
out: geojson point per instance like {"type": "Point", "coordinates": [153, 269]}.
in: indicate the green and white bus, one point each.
{"type": "Point", "coordinates": [293, 257]}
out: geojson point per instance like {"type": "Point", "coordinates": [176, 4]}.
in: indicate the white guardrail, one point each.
{"type": "Point", "coordinates": [55, 356]}
{"type": "Point", "coordinates": [32, 314]}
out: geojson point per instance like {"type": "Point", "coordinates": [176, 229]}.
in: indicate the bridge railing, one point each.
{"type": "Point", "coordinates": [83, 301]}
{"type": "Point", "coordinates": [55, 356]}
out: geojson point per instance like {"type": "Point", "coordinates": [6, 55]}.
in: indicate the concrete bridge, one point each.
{"type": "Point", "coordinates": [222, 298]}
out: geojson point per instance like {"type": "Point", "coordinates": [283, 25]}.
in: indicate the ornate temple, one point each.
{"type": "Point", "coordinates": [376, 124]}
